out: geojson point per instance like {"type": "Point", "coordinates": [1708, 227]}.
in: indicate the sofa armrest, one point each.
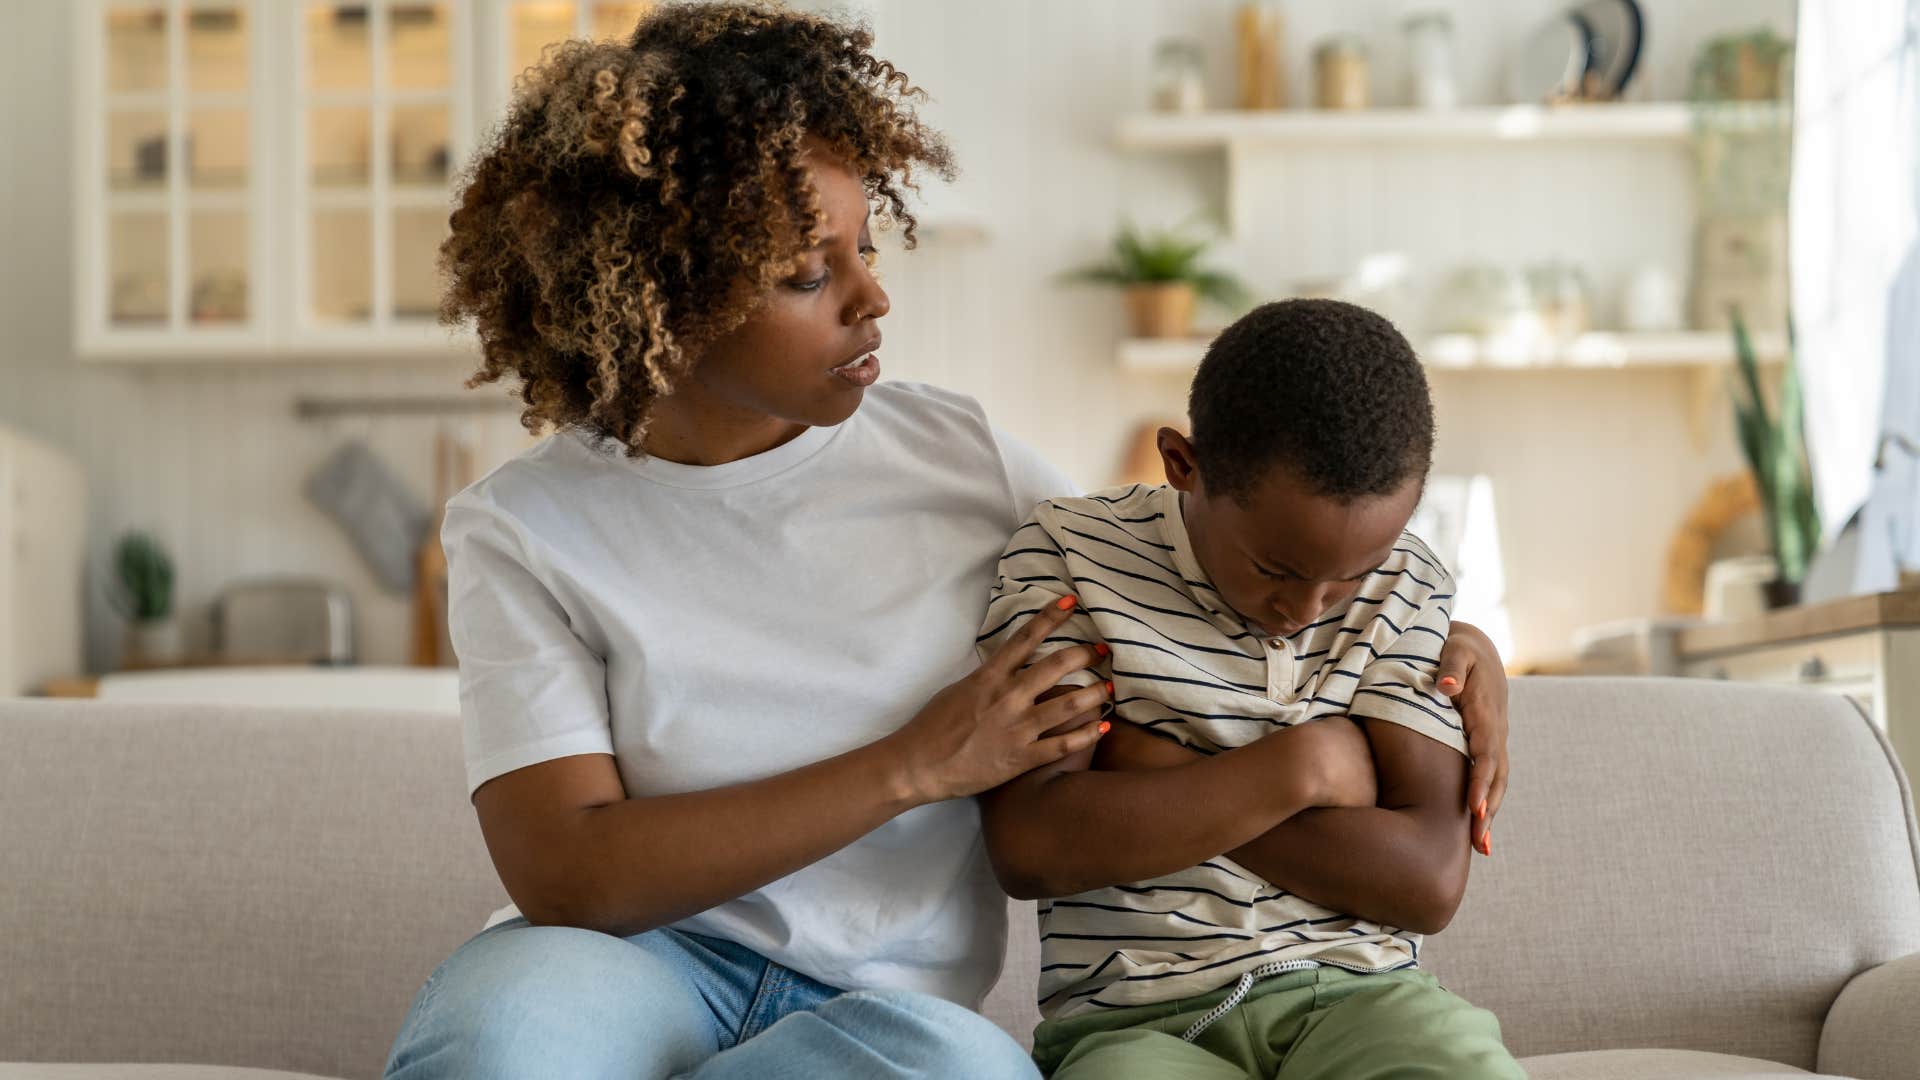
{"type": "Point", "coordinates": [1870, 1032]}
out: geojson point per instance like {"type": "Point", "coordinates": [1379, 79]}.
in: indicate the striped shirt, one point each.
{"type": "Point", "coordinates": [1185, 667]}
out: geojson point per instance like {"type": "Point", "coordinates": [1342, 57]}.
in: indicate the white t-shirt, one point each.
{"type": "Point", "coordinates": [714, 625]}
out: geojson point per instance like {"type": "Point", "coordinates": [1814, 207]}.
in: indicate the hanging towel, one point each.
{"type": "Point", "coordinates": [382, 518]}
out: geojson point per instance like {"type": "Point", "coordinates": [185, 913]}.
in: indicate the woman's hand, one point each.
{"type": "Point", "coordinates": [989, 727]}
{"type": "Point", "coordinates": [1472, 675]}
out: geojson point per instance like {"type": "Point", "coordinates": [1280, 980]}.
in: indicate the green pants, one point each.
{"type": "Point", "coordinates": [1300, 1025]}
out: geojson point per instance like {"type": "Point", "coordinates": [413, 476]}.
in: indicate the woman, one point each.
{"type": "Point", "coordinates": [715, 636]}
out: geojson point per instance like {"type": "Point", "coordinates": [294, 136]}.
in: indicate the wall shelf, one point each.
{"type": "Point", "coordinates": [1588, 352]}
{"type": "Point", "coordinates": [1220, 129]}
{"type": "Point", "coordinates": [1244, 137]}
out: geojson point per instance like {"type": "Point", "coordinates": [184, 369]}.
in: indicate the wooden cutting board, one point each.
{"type": "Point", "coordinates": [452, 472]}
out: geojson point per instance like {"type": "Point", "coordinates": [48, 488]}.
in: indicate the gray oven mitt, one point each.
{"type": "Point", "coordinates": [382, 518]}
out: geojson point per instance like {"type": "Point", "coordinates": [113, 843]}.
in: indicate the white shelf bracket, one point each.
{"type": "Point", "coordinates": [1234, 207]}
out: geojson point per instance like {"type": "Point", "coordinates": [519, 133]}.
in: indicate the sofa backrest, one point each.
{"type": "Point", "coordinates": [1684, 863]}
{"type": "Point", "coordinates": [1679, 863]}
{"type": "Point", "coordinates": [228, 886]}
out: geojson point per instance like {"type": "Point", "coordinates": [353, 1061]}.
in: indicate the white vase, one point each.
{"type": "Point", "coordinates": [151, 643]}
{"type": "Point", "coordinates": [1651, 303]}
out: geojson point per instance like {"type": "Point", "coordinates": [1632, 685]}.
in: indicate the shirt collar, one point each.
{"type": "Point", "coordinates": [1173, 528]}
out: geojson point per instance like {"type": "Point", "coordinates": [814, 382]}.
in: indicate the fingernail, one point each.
{"type": "Point", "coordinates": [1101, 649]}
{"type": "Point", "coordinates": [1105, 726]}
{"type": "Point", "coordinates": [1486, 844]}
{"type": "Point", "coordinates": [1449, 681]}
{"type": "Point", "coordinates": [1481, 810]}
{"type": "Point", "coordinates": [1066, 602]}
{"type": "Point", "coordinates": [1109, 689]}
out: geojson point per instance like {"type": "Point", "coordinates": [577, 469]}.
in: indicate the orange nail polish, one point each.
{"type": "Point", "coordinates": [1105, 726]}
{"type": "Point", "coordinates": [1449, 681]}
{"type": "Point", "coordinates": [1101, 649]}
{"type": "Point", "coordinates": [1066, 602]}
{"type": "Point", "coordinates": [1109, 689]}
{"type": "Point", "coordinates": [1480, 810]}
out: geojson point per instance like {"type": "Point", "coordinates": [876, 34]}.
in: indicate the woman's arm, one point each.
{"type": "Point", "coordinates": [573, 850]}
{"type": "Point", "coordinates": [1473, 677]}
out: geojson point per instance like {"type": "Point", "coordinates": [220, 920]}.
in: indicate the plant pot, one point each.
{"type": "Point", "coordinates": [1782, 593]}
{"type": "Point", "coordinates": [150, 644]}
{"type": "Point", "coordinates": [1161, 311]}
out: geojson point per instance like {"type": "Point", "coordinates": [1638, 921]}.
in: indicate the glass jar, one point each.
{"type": "Point", "coordinates": [1259, 34]}
{"type": "Point", "coordinates": [1430, 80]}
{"type": "Point", "coordinates": [1484, 300]}
{"type": "Point", "coordinates": [1563, 299]}
{"type": "Point", "coordinates": [1340, 73]}
{"type": "Point", "coordinates": [1179, 76]}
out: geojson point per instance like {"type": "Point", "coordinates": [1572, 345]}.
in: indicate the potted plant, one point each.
{"type": "Point", "coordinates": [1753, 66]}
{"type": "Point", "coordinates": [1775, 448]}
{"type": "Point", "coordinates": [143, 594]}
{"type": "Point", "coordinates": [1161, 273]}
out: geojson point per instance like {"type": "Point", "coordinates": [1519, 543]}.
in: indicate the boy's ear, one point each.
{"type": "Point", "coordinates": [1176, 455]}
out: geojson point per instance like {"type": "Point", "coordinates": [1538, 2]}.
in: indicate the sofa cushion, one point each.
{"type": "Point", "coordinates": [1653, 1065]}
{"type": "Point", "coordinates": [91, 1071]}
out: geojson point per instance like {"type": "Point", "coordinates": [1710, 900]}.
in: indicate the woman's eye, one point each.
{"type": "Point", "coordinates": [809, 286]}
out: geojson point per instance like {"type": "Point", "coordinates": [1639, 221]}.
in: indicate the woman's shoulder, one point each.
{"type": "Point", "coordinates": [917, 421]}
{"type": "Point", "coordinates": [950, 428]}
{"type": "Point", "coordinates": [919, 403]}
{"type": "Point", "coordinates": [537, 479]}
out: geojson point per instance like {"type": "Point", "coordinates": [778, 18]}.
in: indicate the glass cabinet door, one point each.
{"type": "Point", "coordinates": [173, 167]}
{"type": "Point", "coordinates": [378, 109]}
{"type": "Point", "coordinates": [532, 25]}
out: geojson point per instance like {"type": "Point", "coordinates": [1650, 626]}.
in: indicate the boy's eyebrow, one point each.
{"type": "Point", "coordinates": [1285, 569]}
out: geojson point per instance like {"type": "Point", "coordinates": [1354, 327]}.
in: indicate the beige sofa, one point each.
{"type": "Point", "coordinates": [1689, 879]}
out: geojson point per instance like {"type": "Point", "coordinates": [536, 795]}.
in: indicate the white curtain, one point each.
{"type": "Point", "coordinates": [1855, 224]}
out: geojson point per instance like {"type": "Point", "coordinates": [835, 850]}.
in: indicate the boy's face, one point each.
{"type": "Point", "coordinates": [1288, 556]}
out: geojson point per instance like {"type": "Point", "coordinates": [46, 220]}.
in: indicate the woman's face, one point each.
{"type": "Point", "coordinates": [808, 352]}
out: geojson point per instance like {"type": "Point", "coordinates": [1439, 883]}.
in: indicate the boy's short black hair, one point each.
{"type": "Point", "coordinates": [1328, 389]}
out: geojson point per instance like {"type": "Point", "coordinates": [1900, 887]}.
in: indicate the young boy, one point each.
{"type": "Point", "coordinates": [1271, 635]}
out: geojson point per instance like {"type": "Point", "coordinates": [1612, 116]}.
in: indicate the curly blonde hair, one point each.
{"type": "Point", "coordinates": [641, 196]}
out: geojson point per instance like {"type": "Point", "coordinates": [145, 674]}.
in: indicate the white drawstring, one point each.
{"type": "Point", "coordinates": [1239, 993]}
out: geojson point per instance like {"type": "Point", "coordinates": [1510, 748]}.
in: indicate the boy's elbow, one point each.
{"type": "Point", "coordinates": [1433, 914]}
{"type": "Point", "coordinates": [1438, 897]}
{"type": "Point", "coordinates": [1023, 874]}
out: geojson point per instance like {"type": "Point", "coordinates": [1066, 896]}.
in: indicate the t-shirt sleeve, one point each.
{"type": "Point", "coordinates": [1032, 478]}
{"type": "Point", "coordinates": [1033, 576]}
{"type": "Point", "coordinates": [530, 689]}
{"type": "Point", "coordinates": [1400, 685]}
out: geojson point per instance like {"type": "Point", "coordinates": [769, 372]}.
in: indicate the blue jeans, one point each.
{"type": "Point", "coordinates": [551, 1001]}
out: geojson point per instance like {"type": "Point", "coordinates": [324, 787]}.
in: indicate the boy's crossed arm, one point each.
{"type": "Point", "coordinates": [1068, 828]}
{"type": "Point", "coordinates": [1399, 863]}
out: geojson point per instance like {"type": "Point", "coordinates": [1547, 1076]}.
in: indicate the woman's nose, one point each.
{"type": "Point", "coordinates": [869, 301]}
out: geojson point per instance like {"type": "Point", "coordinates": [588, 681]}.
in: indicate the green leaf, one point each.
{"type": "Point", "coordinates": [1161, 256]}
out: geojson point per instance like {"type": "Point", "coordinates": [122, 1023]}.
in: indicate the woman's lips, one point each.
{"type": "Point", "coordinates": [862, 372]}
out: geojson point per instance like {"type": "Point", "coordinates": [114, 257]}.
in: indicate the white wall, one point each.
{"type": "Point", "coordinates": [1593, 470]}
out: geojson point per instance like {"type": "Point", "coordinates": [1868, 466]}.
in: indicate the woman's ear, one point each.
{"type": "Point", "coordinates": [1176, 454]}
